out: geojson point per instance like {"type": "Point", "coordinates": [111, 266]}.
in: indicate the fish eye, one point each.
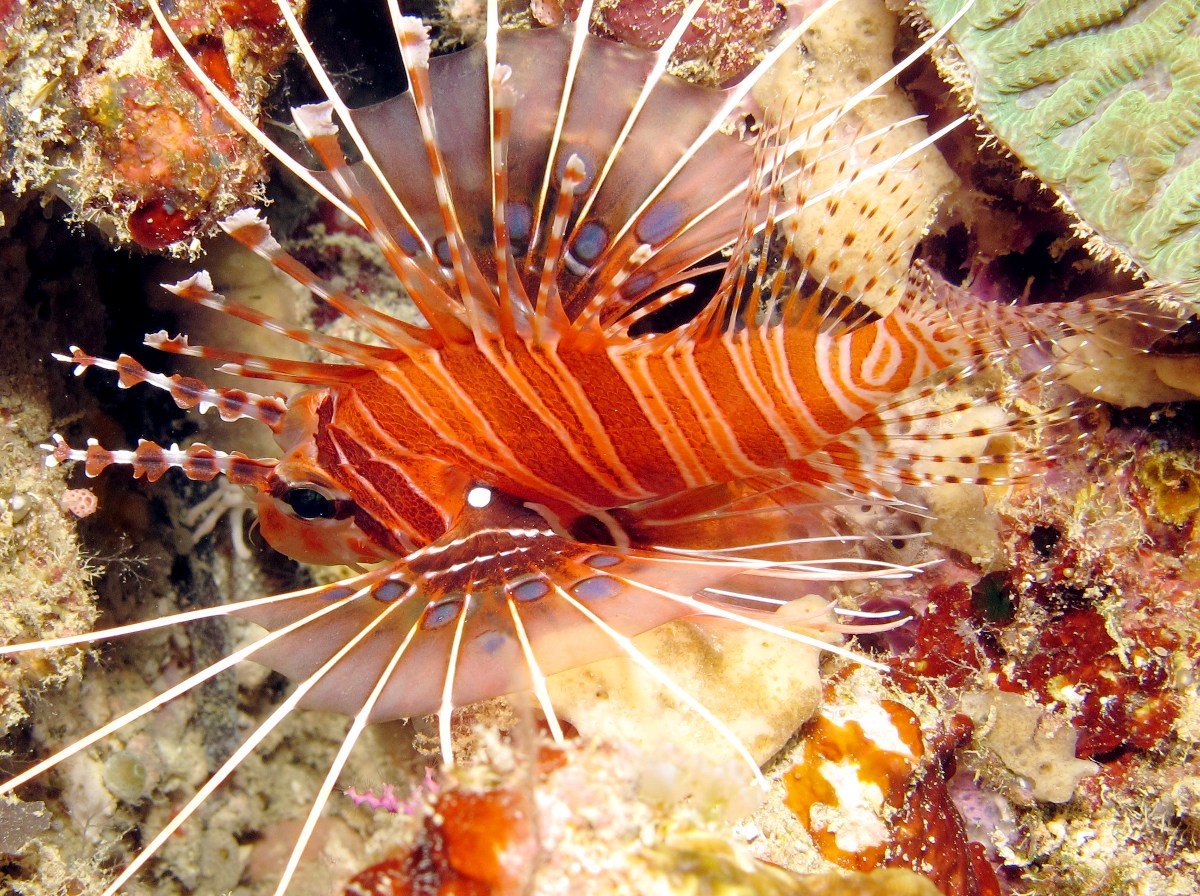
{"type": "Point", "coordinates": [310, 504]}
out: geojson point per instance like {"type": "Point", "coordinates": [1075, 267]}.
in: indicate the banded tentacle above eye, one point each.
{"type": "Point", "coordinates": [187, 392]}
{"type": "Point", "coordinates": [197, 461]}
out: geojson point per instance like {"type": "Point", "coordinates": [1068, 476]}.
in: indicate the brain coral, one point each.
{"type": "Point", "coordinates": [1101, 100]}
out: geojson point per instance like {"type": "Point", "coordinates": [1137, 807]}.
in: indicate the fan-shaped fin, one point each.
{"type": "Point", "coordinates": [460, 590]}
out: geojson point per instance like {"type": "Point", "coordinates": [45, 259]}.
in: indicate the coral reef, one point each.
{"type": "Point", "coordinates": [1070, 659]}
{"type": "Point", "coordinates": [1171, 482]}
{"type": "Point", "coordinates": [587, 825]}
{"type": "Point", "coordinates": [723, 40]}
{"type": "Point", "coordinates": [1134, 379]}
{"type": "Point", "coordinates": [1102, 103]}
{"type": "Point", "coordinates": [98, 109]}
{"type": "Point", "coordinates": [44, 579]}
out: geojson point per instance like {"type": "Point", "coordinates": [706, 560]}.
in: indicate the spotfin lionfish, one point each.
{"type": "Point", "coordinates": [554, 462]}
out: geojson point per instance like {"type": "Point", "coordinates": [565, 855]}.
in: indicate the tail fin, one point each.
{"type": "Point", "coordinates": [1004, 408]}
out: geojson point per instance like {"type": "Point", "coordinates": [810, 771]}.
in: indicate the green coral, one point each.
{"type": "Point", "coordinates": [1101, 100]}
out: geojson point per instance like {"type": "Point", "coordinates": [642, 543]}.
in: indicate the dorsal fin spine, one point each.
{"type": "Point", "coordinates": [513, 309]}
{"type": "Point", "coordinates": [661, 61]}
{"type": "Point", "coordinates": [199, 289]}
{"type": "Point", "coordinates": [713, 318]}
{"type": "Point", "coordinates": [590, 317]}
{"type": "Point", "coordinates": [440, 310]}
{"type": "Point", "coordinates": [413, 39]}
{"type": "Point", "coordinates": [549, 317]}
{"type": "Point", "coordinates": [825, 125]}
{"type": "Point", "coordinates": [344, 115]}
{"type": "Point", "coordinates": [249, 229]}
{"type": "Point", "coordinates": [734, 96]}
{"type": "Point", "coordinates": [310, 373]}
{"type": "Point", "coordinates": [732, 289]}
{"type": "Point", "coordinates": [751, 308]}
{"type": "Point", "coordinates": [579, 35]}
{"type": "Point", "coordinates": [622, 324]}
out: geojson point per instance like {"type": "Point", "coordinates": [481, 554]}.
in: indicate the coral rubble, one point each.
{"type": "Point", "coordinates": [98, 109]}
{"type": "Point", "coordinates": [587, 825]}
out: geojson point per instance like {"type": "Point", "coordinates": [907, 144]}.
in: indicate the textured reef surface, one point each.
{"type": "Point", "coordinates": [96, 109]}
{"type": "Point", "coordinates": [1099, 100]}
{"type": "Point", "coordinates": [1033, 732]}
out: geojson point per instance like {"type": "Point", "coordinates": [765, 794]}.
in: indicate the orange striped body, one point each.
{"type": "Point", "coordinates": [588, 428]}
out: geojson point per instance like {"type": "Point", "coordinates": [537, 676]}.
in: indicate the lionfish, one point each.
{"type": "Point", "coordinates": [554, 462]}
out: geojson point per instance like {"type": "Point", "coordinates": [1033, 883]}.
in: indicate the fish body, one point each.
{"type": "Point", "coordinates": [589, 428]}
{"type": "Point", "coordinates": [626, 472]}
{"type": "Point", "coordinates": [602, 477]}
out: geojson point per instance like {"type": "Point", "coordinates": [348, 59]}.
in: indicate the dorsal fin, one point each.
{"type": "Point", "coordinates": [832, 278]}
{"type": "Point", "coordinates": [660, 183]}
